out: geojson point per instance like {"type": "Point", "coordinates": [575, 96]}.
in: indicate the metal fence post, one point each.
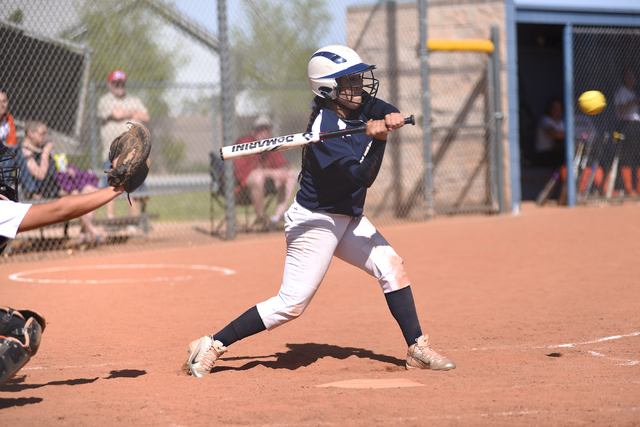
{"type": "Point", "coordinates": [94, 127]}
{"type": "Point", "coordinates": [395, 148]}
{"type": "Point", "coordinates": [426, 109]}
{"type": "Point", "coordinates": [498, 116]}
{"type": "Point", "coordinates": [228, 108]}
{"type": "Point", "coordinates": [490, 118]}
{"type": "Point", "coordinates": [568, 111]}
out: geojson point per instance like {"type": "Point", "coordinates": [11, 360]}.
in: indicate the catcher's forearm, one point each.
{"type": "Point", "coordinates": [67, 208]}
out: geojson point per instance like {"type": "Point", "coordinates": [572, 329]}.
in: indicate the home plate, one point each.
{"type": "Point", "coordinates": [374, 383]}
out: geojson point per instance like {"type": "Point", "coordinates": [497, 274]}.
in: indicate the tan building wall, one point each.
{"type": "Point", "coordinates": [452, 78]}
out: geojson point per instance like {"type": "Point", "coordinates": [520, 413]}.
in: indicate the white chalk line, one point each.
{"type": "Point", "coordinates": [613, 337]}
{"type": "Point", "coordinates": [23, 275]}
{"type": "Point", "coordinates": [625, 362]}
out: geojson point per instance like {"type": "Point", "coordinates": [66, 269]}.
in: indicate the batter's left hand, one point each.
{"type": "Point", "coordinates": [394, 121]}
{"type": "Point", "coordinates": [377, 129]}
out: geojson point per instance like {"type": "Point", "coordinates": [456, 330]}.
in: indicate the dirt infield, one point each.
{"type": "Point", "coordinates": [539, 311]}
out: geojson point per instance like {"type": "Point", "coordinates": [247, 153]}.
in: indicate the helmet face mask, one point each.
{"type": "Point", "coordinates": [366, 90]}
{"type": "Point", "coordinates": [330, 63]}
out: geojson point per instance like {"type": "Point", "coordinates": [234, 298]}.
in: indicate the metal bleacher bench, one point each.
{"type": "Point", "coordinates": [155, 186]}
{"type": "Point", "coordinates": [141, 221]}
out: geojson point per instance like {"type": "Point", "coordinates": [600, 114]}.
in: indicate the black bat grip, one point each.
{"type": "Point", "coordinates": [410, 120]}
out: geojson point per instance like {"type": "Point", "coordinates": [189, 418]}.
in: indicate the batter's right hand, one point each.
{"type": "Point", "coordinates": [394, 121]}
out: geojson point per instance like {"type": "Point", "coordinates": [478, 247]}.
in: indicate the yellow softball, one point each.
{"type": "Point", "coordinates": [592, 102]}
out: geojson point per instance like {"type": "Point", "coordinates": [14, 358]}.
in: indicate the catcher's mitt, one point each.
{"type": "Point", "coordinates": [129, 156]}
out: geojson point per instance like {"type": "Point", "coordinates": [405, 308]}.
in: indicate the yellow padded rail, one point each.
{"type": "Point", "coordinates": [468, 45]}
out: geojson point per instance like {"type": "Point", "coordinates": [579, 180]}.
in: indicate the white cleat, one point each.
{"type": "Point", "coordinates": [203, 355]}
{"type": "Point", "coordinates": [421, 356]}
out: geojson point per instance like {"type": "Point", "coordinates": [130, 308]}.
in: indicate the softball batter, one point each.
{"type": "Point", "coordinates": [326, 218]}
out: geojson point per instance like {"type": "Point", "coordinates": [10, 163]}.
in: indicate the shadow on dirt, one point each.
{"type": "Point", "coordinates": [300, 355]}
{"type": "Point", "coordinates": [17, 384]}
{"type": "Point", "coordinates": [21, 401]}
{"type": "Point", "coordinates": [126, 373]}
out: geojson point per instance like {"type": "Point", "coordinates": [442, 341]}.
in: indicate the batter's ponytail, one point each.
{"type": "Point", "coordinates": [316, 106]}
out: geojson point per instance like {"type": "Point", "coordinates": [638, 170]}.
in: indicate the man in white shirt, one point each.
{"type": "Point", "coordinates": [115, 109]}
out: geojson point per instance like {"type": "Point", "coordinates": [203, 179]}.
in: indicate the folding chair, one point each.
{"type": "Point", "coordinates": [242, 199]}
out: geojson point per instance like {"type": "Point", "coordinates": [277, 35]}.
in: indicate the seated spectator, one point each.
{"type": "Point", "coordinates": [40, 179]}
{"type": "Point", "coordinates": [551, 136]}
{"type": "Point", "coordinates": [254, 171]}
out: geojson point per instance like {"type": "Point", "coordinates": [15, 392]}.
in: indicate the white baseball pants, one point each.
{"type": "Point", "coordinates": [313, 238]}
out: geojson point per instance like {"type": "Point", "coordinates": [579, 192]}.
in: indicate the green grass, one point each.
{"type": "Point", "coordinates": [185, 207]}
{"type": "Point", "coordinates": [180, 207]}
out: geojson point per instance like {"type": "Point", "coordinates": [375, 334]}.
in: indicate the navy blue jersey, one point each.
{"type": "Point", "coordinates": [325, 185]}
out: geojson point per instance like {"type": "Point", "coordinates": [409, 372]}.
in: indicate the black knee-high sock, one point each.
{"type": "Point", "coordinates": [247, 324]}
{"type": "Point", "coordinates": [403, 310]}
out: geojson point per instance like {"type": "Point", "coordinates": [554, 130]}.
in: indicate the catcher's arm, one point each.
{"type": "Point", "coordinates": [67, 208]}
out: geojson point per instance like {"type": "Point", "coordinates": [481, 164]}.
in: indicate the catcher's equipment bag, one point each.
{"type": "Point", "coordinates": [129, 157]}
{"type": "Point", "coordinates": [20, 334]}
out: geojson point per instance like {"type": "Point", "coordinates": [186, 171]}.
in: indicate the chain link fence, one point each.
{"type": "Point", "coordinates": [607, 163]}
{"type": "Point", "coordinates": [461, 133]}
{"type": "Point", "coordinates": [56, 57]}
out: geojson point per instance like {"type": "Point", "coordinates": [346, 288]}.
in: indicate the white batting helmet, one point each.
{"type": "Point", "coordinates": [332, 62]}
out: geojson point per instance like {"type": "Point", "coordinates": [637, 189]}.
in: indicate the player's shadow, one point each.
{"type": "Point", "coordinates": [17, 383]}
{"type": "Point", "coordinates": [300, 355]}
{"type": "Point", "coordinates": [20, 401]}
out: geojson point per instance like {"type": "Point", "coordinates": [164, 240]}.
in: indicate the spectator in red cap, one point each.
{"type": "Point", "coordinates": [115, 109]}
